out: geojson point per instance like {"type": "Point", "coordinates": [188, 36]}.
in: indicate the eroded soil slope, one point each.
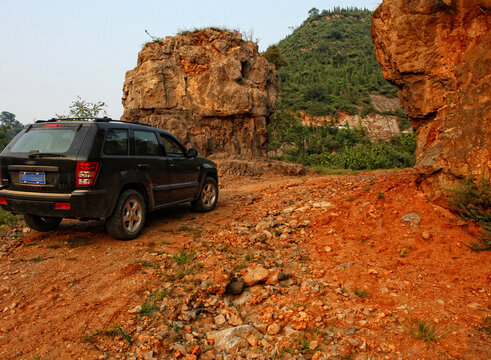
{"type": "Point", "coordinates": [299, 267]}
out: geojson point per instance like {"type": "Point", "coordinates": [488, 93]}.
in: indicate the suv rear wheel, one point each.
{"type": "Point", "coordinates": [208, 196]}
{"type": "Point", "coordinates": [41, 223]}
{"type": "Point", "coordinates": [128, 217]}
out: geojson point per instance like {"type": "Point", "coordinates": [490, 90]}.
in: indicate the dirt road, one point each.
{"type": "Point", "coordinates": [318, 266]}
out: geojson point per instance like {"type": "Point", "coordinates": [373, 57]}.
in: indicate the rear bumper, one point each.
{"type": "Point", "coordinates": [83, 203]}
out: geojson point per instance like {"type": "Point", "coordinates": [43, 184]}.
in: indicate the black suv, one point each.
{"type": "Point", "coordinates": [105, 169]}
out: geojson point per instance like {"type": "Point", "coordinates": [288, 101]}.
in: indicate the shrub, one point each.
{"type": "Point", "coordinates": [472, 201]}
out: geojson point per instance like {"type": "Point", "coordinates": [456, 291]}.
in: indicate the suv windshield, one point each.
{"type": "Point", "coordinates": [44, 141]}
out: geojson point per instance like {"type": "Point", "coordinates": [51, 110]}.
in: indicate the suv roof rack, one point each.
{"type": "Point", "coordinates": [94, 119]}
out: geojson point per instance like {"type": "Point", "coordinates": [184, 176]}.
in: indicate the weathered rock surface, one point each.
{"type": "Point", "coordinates": [210, 88]}
{"type": "Point", "coordinates": [377, 126]}
{"type": "Point", "coordinates": [437, 53]}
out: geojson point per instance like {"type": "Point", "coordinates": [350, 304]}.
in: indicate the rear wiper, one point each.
{"type": "Point", "coordinates": [41, 155]}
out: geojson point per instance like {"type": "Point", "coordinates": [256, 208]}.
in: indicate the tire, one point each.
{"type": "Point", "coordinates": [42, 223]}
{"type": "Point", "coordinates": [208, 196]}
{"type": "Point", "coordinates": [128, 218]}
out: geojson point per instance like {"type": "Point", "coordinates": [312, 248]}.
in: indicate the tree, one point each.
{"type": "Point", "coordinates": [7, 118]}
{"type": "Point", "coordinates": [84, 109]}
{"type": "Point", "coordinates": [313, 12]}
{"type": "Point", "coordinates": [273, 54]}
{"type": "Point", "coordinates": [9, 127]}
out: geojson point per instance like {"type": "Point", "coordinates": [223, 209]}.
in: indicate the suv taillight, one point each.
{"type": "Point", "coordinates": [86, 172]}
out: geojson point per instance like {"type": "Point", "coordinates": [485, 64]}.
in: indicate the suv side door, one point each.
{"type": "Point", "coordinates": [152, 166]}
{"type": "Point", "coordinates": [184, 172]}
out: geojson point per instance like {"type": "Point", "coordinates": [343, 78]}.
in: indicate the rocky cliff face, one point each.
{"type": "Point", "coordinates": [210, 88]}
{"type": "Point", "coordinates": [438, 53]}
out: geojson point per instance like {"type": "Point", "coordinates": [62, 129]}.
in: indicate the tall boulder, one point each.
{"type": "Point", "coordinates": [438, 53]}
{"type": "Point", "coordinates": [210, 88]}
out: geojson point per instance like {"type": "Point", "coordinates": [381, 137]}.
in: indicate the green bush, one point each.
{"type": "Point", "coordinates": [7, 218]}
{"type": "Point", "coordinates": [472, 201]}
{"type": "Point", "coordinates": [337, 148]}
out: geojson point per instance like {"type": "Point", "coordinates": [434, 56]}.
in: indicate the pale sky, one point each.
{"type": "Point", "coordinates": [52, 51]}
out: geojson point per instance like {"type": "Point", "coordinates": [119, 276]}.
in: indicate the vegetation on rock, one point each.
{"type": "Point", "coordinates": [473, 202]}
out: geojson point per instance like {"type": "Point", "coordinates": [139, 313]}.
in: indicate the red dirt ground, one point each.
{"type": "Point", "coordinates": [60, 291]}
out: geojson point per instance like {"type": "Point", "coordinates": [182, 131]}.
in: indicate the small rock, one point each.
{"type": "Point", "coordinates": [426, 235]}
{"type": "Point", "coordinates": [243, 299]}
{"type": "Point", "coordinates": [344, 266]}
{"type": "Point", "coordinates": [235, 287]}
{"type": "Point", "coordinates": [313, 345]}
{"type": "Point", "coordinates": [256, 275]}
{"type": "Point", "coordinates": [220, 320]}
{"type": "Point", "coordinates": [273, 329]}
{"type": "Point", "coordinates": [252, 340]}
{"type": "Point", "coordinates": [235, 320]}
{"type": "Point", "coordinates": [327, 249]}
{"type": "Point", "coordinates": [322, 205]}
{"type": "Point", "coordinates": [475, 306]}
{"type": "Point", "coordinates": [135, 310]}
{"type": "Point", "coordinates": [412, 220]}
{"type": "Point", "coordinates": [354, 342]}
{"type": "Point", "coordinates": [233, 339]}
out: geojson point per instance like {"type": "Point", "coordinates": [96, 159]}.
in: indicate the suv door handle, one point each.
{"type": "Point", "coordinates": [143, 165]}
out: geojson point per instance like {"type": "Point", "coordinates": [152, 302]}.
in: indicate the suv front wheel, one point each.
{"type": "Point", "coordinates": [208, 196]}
{"type": "Point", "coordinates": [42, 223]}
{"type": "Point", "coordinates": [128, 217]}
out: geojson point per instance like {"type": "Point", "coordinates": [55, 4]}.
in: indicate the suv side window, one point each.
{"type": "Point", "coordinates": [171, 147]}
{"type": "Point", "coordinates": [116, 142]}
{"type": "Point", "coordinates": [146, 144]}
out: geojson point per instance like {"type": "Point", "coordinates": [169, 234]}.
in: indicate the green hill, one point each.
{"type": "Point", "coordinates": [331, 64]}
{"type": "Point", "coordinates": [328, 66]}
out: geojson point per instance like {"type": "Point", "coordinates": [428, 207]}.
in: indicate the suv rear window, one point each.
{"type": "Point", "coordinates": [44, 141]}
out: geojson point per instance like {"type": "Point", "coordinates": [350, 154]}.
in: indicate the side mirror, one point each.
{"type": "Point", "coordinates": [192, 153]}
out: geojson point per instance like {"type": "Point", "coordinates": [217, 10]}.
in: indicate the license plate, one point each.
{"type": "Point", "coordinates": [37, 178]}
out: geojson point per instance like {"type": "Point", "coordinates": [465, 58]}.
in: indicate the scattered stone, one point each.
{"type": "Point", "coordinates": [256, 275]}
{"type": "Point", "coordinates": [252, 340]}
{"type": "Point", "coordinates": [220, 320]}
{"type": "Point", "coordinates": [412, 220]}
{"type": "Point", "coordinates": [313, 345]}
{"type": "Point", "coordinates": [426, 235]}
{"type": "Point", "coordinates": [233, 339]}
{"type": "Point", "coordinates": [243, 299]}
{"type": "Point", "coordinates": [327, 249]}
{"type": "Point", "coordinates": [135, 310]}
{"type": "Point", "coordinates": [235, 320]}
{"type": "Point", "coordinates": [322, 205]}
{"type": "Point", "coordinates": [273, 329]}
{"type": "Point", "coordinates": [475, 306]}
{"type": "Point", "coordinates": [235, 287]}
{"type": "Point", "coordinates": [344, 266]}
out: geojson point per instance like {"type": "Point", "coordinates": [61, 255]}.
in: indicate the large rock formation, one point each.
{"type": "Point", "coordinates": [438, 53]}
{"type": "Point", "coordinates": [210, 88]}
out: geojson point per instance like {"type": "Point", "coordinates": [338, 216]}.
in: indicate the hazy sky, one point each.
{"type": "Point", "coordinates": [52, 51]}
